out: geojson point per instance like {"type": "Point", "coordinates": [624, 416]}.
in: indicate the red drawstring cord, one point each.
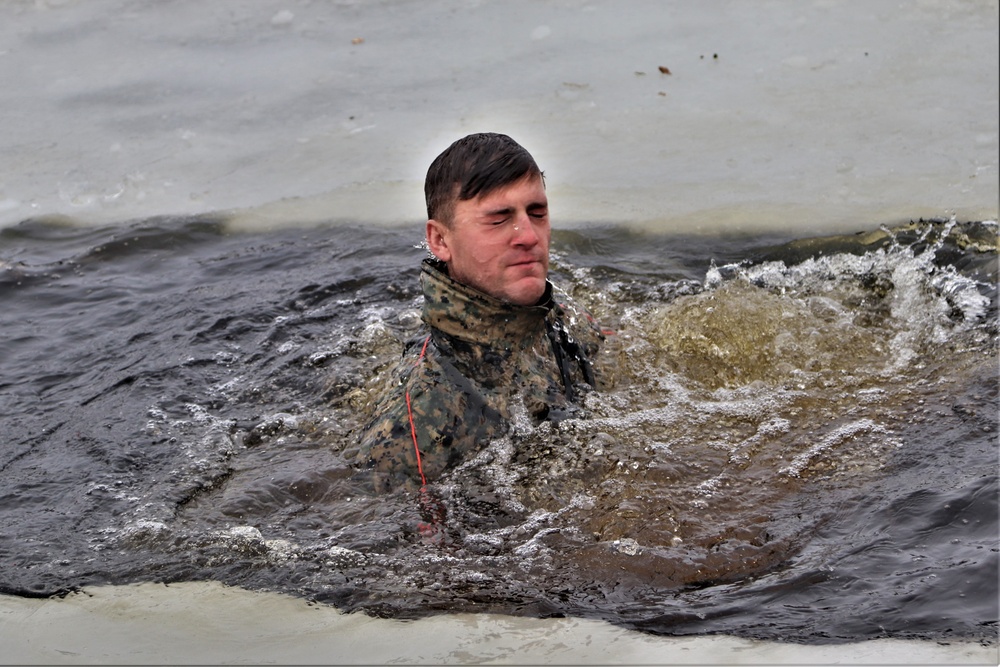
{"type": "Point", "coordinates": [433, 530]}
{"type": "Point", "coordinates": [409, 412]}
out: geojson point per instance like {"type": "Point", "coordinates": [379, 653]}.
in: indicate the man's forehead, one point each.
{"type": "Point", "coordinates": [531, 185]}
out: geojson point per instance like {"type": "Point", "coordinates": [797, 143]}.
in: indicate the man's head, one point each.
{"type": "Point", "coordinates": [488, 217]}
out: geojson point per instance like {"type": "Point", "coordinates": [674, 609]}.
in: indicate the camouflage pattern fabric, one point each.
{"type": "Point", "coordinates": [461, 379]}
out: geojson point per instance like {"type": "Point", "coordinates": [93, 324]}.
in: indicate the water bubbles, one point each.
{"type": "Point", "coordinates": [247, 533]}
{"type": "Point", "coordinates": [226, 357]}
{"type": "Point", "coordinates": [343, 558]}
{"type": "Point", "coordinates": [839, 436]}
{"type": "Point", "coordinates": [321, 357]}
{"type": "Point", "coordinates": [199, 413]}
{"type": "Point", "coordinates": [142, 532]}
{"type": "Point", "coordinates": [281, 550]}
{"type": "Point", "coordinates": [409, 319]}
{"type": "Point", "coordinates": [627, 546]}
{"type": "Point", "coordinates": [479, 543]}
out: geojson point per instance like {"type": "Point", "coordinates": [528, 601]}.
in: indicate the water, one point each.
{"type": "Point", "coordinates": [797, 440]}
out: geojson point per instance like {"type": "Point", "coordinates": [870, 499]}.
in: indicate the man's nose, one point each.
{"type": "Point", "coordinates": [524, 230]}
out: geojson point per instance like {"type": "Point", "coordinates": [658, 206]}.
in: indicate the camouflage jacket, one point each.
{"type": "Point", "coordinates": [459, 385]}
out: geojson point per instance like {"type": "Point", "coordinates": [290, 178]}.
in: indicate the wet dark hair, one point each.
{"type": "Point", "coordinates": [474, 166]}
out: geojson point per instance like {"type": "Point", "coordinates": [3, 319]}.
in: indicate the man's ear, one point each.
{"type": "Point", "coordinates": [437, 240]}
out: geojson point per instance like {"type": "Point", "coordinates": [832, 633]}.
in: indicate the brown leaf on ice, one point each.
{"type": "Point", "coordinates": [665, 70]}
{"type": "Point", "coordinates": [358, 40]}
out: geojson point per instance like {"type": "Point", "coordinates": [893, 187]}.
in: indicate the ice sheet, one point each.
{"type": "Point", "coordinates": [207, 623]}
{"type": "Point", "coordinates": [784, 113]}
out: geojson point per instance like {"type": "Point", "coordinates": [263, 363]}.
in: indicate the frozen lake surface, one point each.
{"type": "Point", "coordinates": [784, 113]}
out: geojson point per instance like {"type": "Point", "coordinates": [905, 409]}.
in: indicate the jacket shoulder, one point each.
{"type": "Point", "coordinates": [424, 422]}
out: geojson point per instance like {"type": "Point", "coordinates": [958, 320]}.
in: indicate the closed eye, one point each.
{"type": "Point", "coordinates": [538, 211]}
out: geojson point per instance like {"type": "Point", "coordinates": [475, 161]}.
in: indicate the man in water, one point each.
{"type": "Point", "coordinates": [502, 343]}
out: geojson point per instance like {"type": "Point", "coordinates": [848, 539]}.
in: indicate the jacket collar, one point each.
{"type": "Point", "coordinates": [467, 314]}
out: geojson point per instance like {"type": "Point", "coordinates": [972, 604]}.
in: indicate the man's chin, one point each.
{"type": "Point", "coordinates": [526, 292]}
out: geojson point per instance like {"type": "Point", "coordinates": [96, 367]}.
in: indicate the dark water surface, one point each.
{"type": "Point", "coordinates": [798, 439]}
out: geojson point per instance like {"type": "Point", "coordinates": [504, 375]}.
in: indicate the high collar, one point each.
{"type": "Point", "coordinates": [467, 314]}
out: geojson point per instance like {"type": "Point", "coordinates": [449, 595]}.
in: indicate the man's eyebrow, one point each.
{"type": "Point", "coordinates": [507, 210]}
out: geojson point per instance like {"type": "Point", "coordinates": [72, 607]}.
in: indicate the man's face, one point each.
{"type": "Point", "coordinates": [498, 243]}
